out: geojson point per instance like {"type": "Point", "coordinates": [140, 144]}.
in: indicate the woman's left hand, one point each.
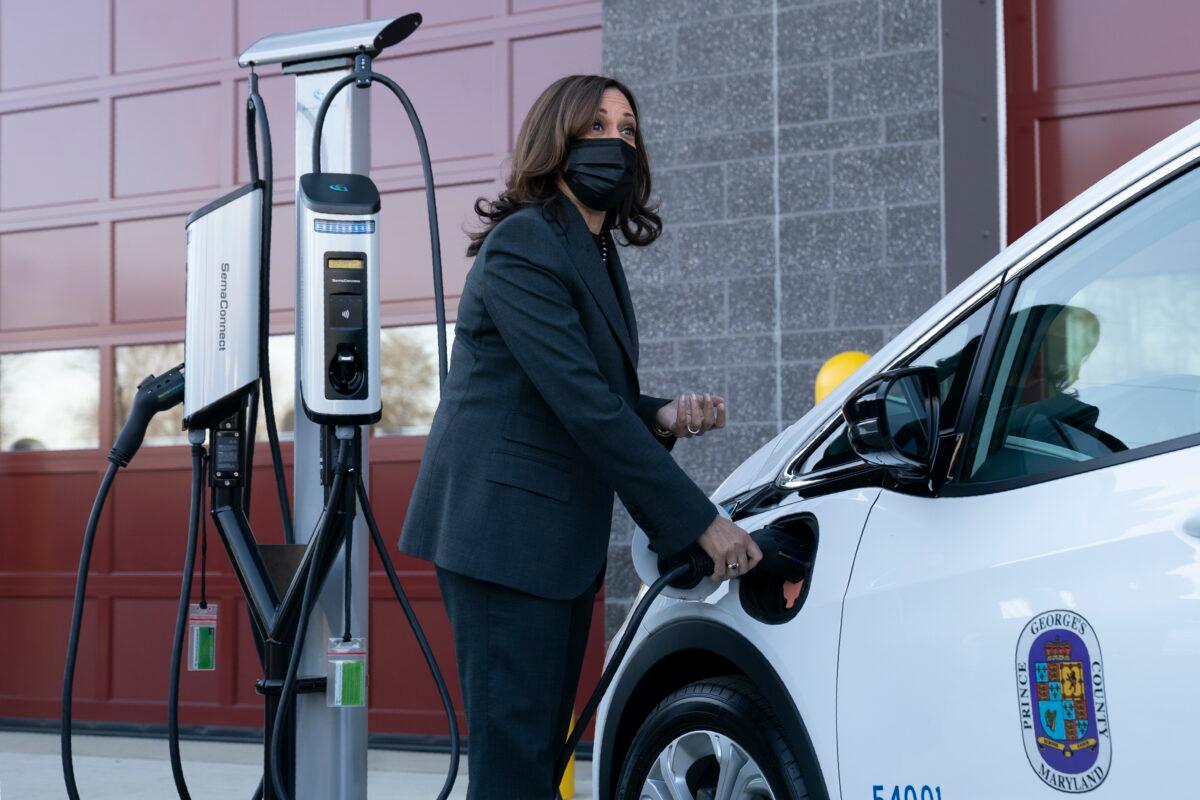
{"type": "Point", "coordinates": [692, 414]}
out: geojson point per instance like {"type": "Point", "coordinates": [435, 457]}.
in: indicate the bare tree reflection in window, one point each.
{"type": "Point", "coordinates": [282, 352]}
{"type": "Point", "coordinates": [408, 379]}
{"type": "Point", "coordinates": [50, 400]}
{"type": "Point", "coordinates": [135, 362]}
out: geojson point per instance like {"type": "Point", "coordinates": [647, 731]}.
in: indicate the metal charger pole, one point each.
{"type": "Point", "coordinates": [330, 743]}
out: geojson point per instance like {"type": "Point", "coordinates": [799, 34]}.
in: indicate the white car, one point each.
{"type": "Point", "coordinates": [1008, 609]}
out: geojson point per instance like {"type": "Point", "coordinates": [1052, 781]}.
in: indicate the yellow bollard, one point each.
{"type": "Point", "coordinates": [836, 370]}
{"type": "Point", "coordinates": [567, 787]}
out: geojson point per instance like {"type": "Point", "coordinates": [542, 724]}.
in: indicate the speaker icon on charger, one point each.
{"type": "Point", "coordinates": [346, 311]}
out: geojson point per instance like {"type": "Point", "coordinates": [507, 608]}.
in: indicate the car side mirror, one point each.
{"type": "Point", "coordinates": [892, 421]}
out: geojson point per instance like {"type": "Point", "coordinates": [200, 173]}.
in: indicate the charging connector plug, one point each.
{"type": "Point", "coordinates": [779, 560]}
{"type": "Point", "coordinates": [154, 394]}
{"type": "Point", "coordinates": [699, 566]}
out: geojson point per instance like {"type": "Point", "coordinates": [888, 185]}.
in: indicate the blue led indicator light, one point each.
{"type": "Point", "coordinates": [348, 226]}
{"type": "Point", "coordinates": [339, 187]}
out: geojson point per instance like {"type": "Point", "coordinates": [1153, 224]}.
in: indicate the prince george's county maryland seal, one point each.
{"type": "Point", "coordinates": [1064, 710]}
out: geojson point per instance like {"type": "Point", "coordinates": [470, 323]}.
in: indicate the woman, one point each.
{"type": "Point", "coordinates": [541, 419]}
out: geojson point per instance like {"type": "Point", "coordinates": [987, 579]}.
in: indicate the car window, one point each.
{"type": "Point", "coordinates": [833, 451]}
{"type": "Point", "coordinates": [1100, 353]}
{"type": "Point", "coordinates": [951, 354]}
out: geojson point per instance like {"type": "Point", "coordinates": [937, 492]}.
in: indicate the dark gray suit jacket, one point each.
{"type": "Point", "coordinates": [541, 418]}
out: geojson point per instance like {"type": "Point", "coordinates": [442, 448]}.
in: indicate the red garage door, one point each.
{"type": "Point", "coordinates": [106, 143]}
{"type": "Point", "coordinates": [1091, 83]}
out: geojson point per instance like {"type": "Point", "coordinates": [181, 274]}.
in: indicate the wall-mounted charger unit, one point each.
{"type": "Point", "coordinates": [224, 261]}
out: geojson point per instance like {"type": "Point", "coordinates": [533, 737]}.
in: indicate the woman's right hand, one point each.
{"type": "Point", "coordinates": [692, 414]}
{"type": "Point", "coordinates": [727, 544]}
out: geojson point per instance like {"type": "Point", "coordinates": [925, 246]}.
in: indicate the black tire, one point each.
{"type": "Point", "coordinates": [730, 706]}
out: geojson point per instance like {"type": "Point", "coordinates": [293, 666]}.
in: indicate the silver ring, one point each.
{"type": "Point", "coordinates": [732, 566]}
{"type": "Point", "coordinates": [694, 432]}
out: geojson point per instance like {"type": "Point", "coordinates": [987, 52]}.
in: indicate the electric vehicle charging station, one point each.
{"type": "Point", "coordinates": [330, 743]}
{"type": "Point", "coordinates": [297, 592]}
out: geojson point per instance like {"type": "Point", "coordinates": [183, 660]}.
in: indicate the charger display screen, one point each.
{"type": "Point", "coordinates": [344, 263]}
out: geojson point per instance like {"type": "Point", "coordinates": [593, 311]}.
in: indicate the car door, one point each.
{"type": "Point", "coordinates": [1032, 628]}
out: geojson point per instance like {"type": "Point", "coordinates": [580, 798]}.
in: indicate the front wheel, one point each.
{"type": "Point", "coordinates": [712, 740]}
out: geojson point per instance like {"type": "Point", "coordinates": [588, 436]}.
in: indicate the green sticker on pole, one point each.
{"type": "Point", "coordinates": [202, 637]}
{"type": "Point", "coordinates": [346, 677]}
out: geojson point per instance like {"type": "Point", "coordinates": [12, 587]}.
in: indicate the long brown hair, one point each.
{"type": "Point", "coordinates": [563, 113]}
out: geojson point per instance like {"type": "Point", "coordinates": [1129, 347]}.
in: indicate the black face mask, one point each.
{"type": "Point", "coordinates": [601, 172]}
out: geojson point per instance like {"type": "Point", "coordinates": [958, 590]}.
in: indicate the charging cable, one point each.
{"type": "Point", "coordinates": [154, 394]}
{"type": "Point", "coordinates": [418, 633]}
{"type": "Point", "coordinates": [185, 596]}
{"type": "Point", "coordinates": [691, 565]}
{"type": "Point", "coordinates": [256, 111]}
{"type": "Point", "coordinates": [85, 558]}
{"type": "Point", "coordinates": [684, 570]}
{"type": "Point", "coordinates": [363, 77]}
{"type": "Point", "coordinates": [195, 520]}
{"type": "Point", "coordinates": [312, 585]}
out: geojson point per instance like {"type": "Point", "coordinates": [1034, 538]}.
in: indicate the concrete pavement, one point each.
{"type": "Point", "coordinates": [115, 768]}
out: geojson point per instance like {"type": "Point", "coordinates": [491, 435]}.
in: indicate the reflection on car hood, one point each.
{"type": "Point", "coordinates": [766, 463]}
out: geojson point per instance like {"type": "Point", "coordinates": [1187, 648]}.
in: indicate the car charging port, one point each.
{"type": "Point", "coordinates": [775, 590]}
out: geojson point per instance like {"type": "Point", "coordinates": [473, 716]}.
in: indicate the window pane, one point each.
{"type": "Point", "coordinates": [833, 452]}
{"type": "Point", "coordinates": [1101, 352]}
{"type": "Point", "coordinates": [409, 379]}
{"type": "Point", "coordinates": [952, 356]}
{"type": "Point", "coordinates": [50, 400]}
{"type": "Point", "coordinates": [133, 363]}
{"type": "Point", "coordinates": [282, 352]}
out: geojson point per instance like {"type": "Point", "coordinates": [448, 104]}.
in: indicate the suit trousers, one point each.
{"type": "Point", "coordinates": [519, 660]}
